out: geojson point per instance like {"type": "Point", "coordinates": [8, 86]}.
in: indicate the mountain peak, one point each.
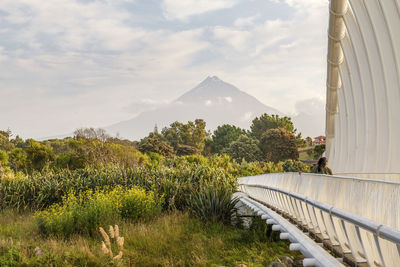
{"type": "Point", "coordinates": [210, 80]}
{"type": "Point", "coordinates": [211, 87]}
{"type": "Point", "coordinates": [213, 79]}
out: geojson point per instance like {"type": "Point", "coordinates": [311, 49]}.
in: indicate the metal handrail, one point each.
{"type": "Point", "coordinates": [367, 229]}
{"type": "Point", "coordinates": [381, 230]}
{"type": "Point", "coordinates": [315, 255]}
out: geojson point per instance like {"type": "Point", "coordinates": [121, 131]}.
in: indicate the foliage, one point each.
{"type": "Point", "coordinates": [154, 143]}
{"type": "Point", "coordinates": [245, 148]}
{"type": "Point", "coordinates": [295, 166]}
{"type": "Point", "coordinates": [271, 167]}
{"type": "Point", "coordinates": [92, 152]}
{"type": "Point", "coordinates": [223, 136]}
{"type": "Point", "coordinates": [300, 141]}
{"type": "Point", "coordinates": [91, 133]}
{"type": "Point", "coordinates": [318, 151]}
{"type": "Point", "coordinates": [5, 143]}
{"type": "Point", "coordinates": [213, 203]}
{"type": "Point", "coordinates": [3, 158]}
{"type": "Point", "coordinates": [38, 155]}
{"type": "Point", "coordinates": [174, 180]}
{"type": "Point", "coordinates": [183, 150]}
{"type": "Point", "coordinates": [265, 122]}
{"type": "Point", "coordinates": [172, 239]}
{"type": "Point", "coordinates": [86, 212]}
{"type": "Point", "coordinates": [309, 141]}
{"type": "Point", "coordinates": [190, 134]}
{"type": "Point", "coordinates": [278, 144]}
{"type": "Point", "coordinates": [18, 160]}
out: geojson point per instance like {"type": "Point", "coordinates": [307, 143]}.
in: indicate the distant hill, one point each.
{"type": "Point", "coordinates": [213, 100]}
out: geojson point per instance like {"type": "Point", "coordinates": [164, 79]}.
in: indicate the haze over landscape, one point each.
{"type": "Point", "coordinates": [71, 64]}
{"type": "Point", "coordinates": [213, 100]}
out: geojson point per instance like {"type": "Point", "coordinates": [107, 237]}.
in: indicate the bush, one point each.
{"type": "Point", "coordinates": [213, 203]}
{"type": "Point", "coordinates": [137, 204]}
{"type": "Point", "coordinates": [295, 166]}
{"type": "Point", "coordinates": [85, 212]}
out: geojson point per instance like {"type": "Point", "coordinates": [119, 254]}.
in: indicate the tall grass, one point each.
{"type": "Point", "coordinates": [173, 239]}
{"type": "Point", "coordinates": [40, 191]}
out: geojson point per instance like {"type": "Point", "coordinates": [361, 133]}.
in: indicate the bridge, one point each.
{"type": "Point", "coordinates": [352, 218]}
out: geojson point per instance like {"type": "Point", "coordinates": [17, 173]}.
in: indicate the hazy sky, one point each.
{"type": "Point", "coordinates": [65, 64]}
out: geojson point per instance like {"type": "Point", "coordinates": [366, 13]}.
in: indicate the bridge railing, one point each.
{"type": "Point", "coordinates": [337, 209]}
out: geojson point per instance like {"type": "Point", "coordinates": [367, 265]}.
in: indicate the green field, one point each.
{"type": "Point", "coordinates": [173, 239]}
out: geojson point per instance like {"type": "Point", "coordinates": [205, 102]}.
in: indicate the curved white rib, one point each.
{"type": "Point", "coordinates": [363, 88]}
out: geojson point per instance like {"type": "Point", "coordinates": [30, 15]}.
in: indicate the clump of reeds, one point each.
{"type": "Point", "coordinates": [106, 243]}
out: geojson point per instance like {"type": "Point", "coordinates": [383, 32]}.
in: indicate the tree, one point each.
{"type": "Point", "coordinates": [223, 136]}
{"type": "Point", "coordinates": [278, 145]}
{"type": "Point", "coordinates": [309, 141]}
{"type": "Point", "coordinates": [266, 122]}
{"type": "Point", "coordinates": [38, 155]}
{"type": "Point", "coordinates": [244, 148]}
{"type": "Point", "coordinates": [91, 133]}
{"type": "Point", "coordinates": [318, 151]}
{"type": "Point", "coordinates": [184, 150]}
{"type": "Point", "coordinates": [190, 134]}
{"type": "Point", "coordinates": [18, 161]}
{"type": "Point", "coordinates": [154, 143]}
{"type": "Point", "coordinates": [5, 143]}
{"type": "Point", "coordinates": [300, 141]}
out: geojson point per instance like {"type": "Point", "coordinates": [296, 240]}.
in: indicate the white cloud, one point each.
{"type": "Point", "coordinates": [183, 9]}
{"type": "Point", "coordinates": [144, 105]}
{"type": "Point", "coordinates": [228, 99]}
{"type": "Point", "coordinates": [310, 118]}
{"type": "Point", "coordinates": [238, 39]}
{"type": "Point", "coordinates": [82, 63]}
{"type": "Point", "coordinates": [245, 22]}
{"type": "Point", "coordinates": [246, 116]}
{"type": "Point", "coordinates": [281, 60]}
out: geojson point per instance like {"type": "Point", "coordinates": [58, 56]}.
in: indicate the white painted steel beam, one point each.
{"type": "Point", "coordinates": [363, 88]}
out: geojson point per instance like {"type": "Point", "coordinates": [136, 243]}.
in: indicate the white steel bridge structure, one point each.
{"type": "Point", "coordinates": [356, 213]}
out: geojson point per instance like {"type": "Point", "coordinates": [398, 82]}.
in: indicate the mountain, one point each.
{"type": "Point", "coordinates": [213, 100]}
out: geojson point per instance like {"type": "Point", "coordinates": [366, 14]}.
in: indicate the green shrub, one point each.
{"type": "Point", "coordinates": [138, 204]}
{"type": "Point", "coordinates": [295, 166]}
{"type": "Point", "coordinates": [85, 212]}
{"type": "Point", "coordinates": [213, 203]}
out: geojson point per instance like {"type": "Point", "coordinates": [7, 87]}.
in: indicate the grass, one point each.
{"type": "Point", "coordinates": [304, 153]}
{"type": "Point", "coordinates": [173, 239]}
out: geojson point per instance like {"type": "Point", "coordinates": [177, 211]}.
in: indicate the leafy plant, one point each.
{"type": "Point", "coordinates": [85, 212]}
{"type": "Point", "coordinates": [213, 203]}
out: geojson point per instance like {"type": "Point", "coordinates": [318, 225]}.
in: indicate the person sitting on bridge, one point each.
{"type": "Point", "coordinates": [321, 167]}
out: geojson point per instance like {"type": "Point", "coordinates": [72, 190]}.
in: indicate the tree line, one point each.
{"type": "Point", "coordinates": [271, 138]}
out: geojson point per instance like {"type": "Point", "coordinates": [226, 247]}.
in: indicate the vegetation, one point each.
{"type": "Point", "coordinates": [213, 203]}
{"type": "Point", "coordinates": [244, 148]}
{"type": "Point", "coordinates": [318, 151]}
{"type": "Point", "coordinates": [172, 239]}
{"type": "Point", "coordinates": [86, 212]}
{"type": "Point", "coordinates": [278, 145]}
{"type": "Point", "coordinates": [223, 136]}
{"type": "Point", "coordinates": [266, 122]}
{"type": "Point", "coordinates": [170, 192]}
